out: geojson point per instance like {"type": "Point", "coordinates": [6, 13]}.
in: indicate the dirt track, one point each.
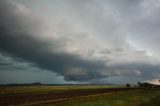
{"type": "Point", "coordinates": [6, 100]}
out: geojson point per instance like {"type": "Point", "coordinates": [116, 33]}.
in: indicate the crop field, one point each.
{"type": "Point", "coordinates": [46, 89]}
{"type": "Point", "coordinates": [139, 97]}
{"type": "Point", "coordinates": [79, 95]}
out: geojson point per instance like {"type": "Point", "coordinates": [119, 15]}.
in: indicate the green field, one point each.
{"type": "Point", "coordinates": [143, 97]}
{"type": "Point", "coordinates": [33, 96]}
{"type": "Point", "coordinates": [48, 89]}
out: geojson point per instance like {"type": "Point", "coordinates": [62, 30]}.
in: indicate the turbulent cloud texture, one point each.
{"type": "Point", "coordinates": [98, 41]}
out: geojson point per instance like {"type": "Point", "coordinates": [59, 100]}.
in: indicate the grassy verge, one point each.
{"type": "Point", "coordinates": [141, 97]}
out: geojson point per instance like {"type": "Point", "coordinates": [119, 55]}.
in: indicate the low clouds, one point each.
{"type": "Point", "coordinates": [27, 47]}
{"type": "Point", "coordinates": [86, 44]}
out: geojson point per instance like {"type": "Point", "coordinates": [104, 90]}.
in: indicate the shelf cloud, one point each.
{"type": "Point", "coordinates": [80, 41]}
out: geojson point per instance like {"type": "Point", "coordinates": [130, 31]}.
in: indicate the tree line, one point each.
{"type": "Point", "coordinates": [143, 84]}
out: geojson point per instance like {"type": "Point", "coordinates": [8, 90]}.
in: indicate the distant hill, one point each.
{"type": "Point", "coordinates": [25, 84]}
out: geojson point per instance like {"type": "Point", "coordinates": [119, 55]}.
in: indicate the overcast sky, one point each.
{"type": "Point", "coordinates": [79, 41]}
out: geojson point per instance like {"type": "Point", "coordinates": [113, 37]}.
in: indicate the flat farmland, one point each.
{"type": "Point", "coordinates": [45, 89]}
{"type": "Point", "coordinates": [28, 94]}
{"type": "Point", "coordinates": [73, 95]}
{"type": "Point", "coordinates": [137, 97]}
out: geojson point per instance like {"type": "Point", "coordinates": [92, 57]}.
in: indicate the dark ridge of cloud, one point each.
{"type": "Point", "coordinates": [30, 49]}
{"type": "Point", "coordinates": [8, 63]}
{"type": "Point", "coordinates": [22, 45]}
{"type": "Point", "coordinates": [37, 53]}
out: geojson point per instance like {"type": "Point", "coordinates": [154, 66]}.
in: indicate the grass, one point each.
{"type": "Point", "coordinates": [141, 97]}
{"type": "Point", "coordinates": [48, 89]}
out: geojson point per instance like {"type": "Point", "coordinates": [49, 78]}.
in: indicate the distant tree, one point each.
{"type": "Point", "coordinates": [37, 83]}
{"type": "Point", "coordinates": [145, 84]}
{"type": "Point", "coordinates": [139, 84]}
{"type": "Point", "coordinates": [128, 85]}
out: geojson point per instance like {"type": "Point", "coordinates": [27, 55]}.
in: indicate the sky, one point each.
{"type": "Point", "coordinates": [79, 41]}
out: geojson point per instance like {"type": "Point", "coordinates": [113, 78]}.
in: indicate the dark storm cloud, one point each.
{"type": "Point", "coordinates": [7, 63]}
{"type": "Point", "coordinates": [32, 50]}
{"type": "Point", "coordinates": [19, 40]}
{"type": "Point", "coordinates": [22, 45]}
